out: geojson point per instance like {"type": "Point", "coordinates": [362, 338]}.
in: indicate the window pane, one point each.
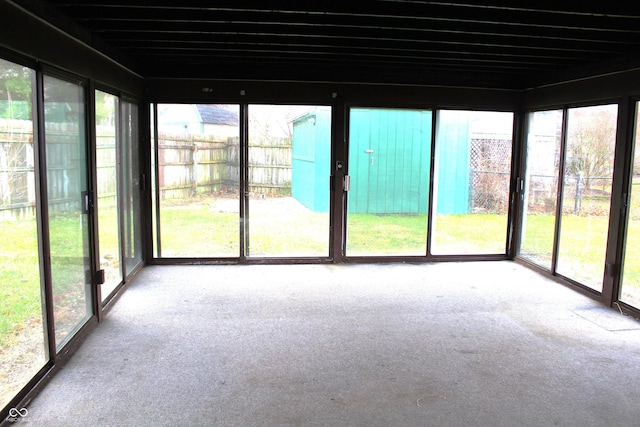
{"type": "Point", "coordinates": [472, 176]}
{"type": "Point", "coordinates": [541, 186]}
{"type": "Point", "coordinates": [289, 169]}
{"type": "Point", "coordinates": [588, 173]}
{"type": "Point", "coordinates": [154, 187]}
{"type": "Point", "coordinates": [65, 141]}
{"type": "Point", "coordinates": [22, 344]}
{"type": "Point", "coordinates": [131, 186]}
{"type": "Point", "coordinates": [389, 164]}
{"type": "Point", "coordinates": [630, 290]}
{"type": "Point", "coordinates": [198, 175]}
{"type": "Point", "coordinates": [107, 197]}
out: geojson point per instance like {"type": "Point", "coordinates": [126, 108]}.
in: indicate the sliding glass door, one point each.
{"type": "Point", "coordinates": [389, 180]}
{"type": "Point", "coordinates": [278, 172]}
{"type": "Point", "coordinates": [288, 169]}
{"type": "Point", "coordinates": [68, 205]}
{"type": "Point", "coordinates": [23, 349]}
{"type": "Point", "coordinates": [544, 140]}
{"type": "Point", "coordinates": [630, 285]}
{"type": "Point", "coordinates": [472, 182]}
{"type": "Point", "coordinates": [118, 190]}
{"type": "Point", "coordinates": [389, 169]}
{"type": "Point", "coordinates": [586, 193]}
{"type": "Point", "coordinates": [197, 186]}
{"type": "Point", "coordinates": [569, 238]}
{"type": "Point", "coordinates": [131, 186]}
{"type": "Point", "coordinates": [47, 209]}
{"type": "Point", "coordinates": [107, 200]}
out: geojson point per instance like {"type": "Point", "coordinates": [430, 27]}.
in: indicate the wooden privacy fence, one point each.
{"type": "Point", "coordinates": [204, 164]}
{"type": "Point", "coordinates": [270, 167]}
{"type": "Point", "coordinates": [66, 163]}
{"type": "Point", "coordinates": [106, 166]}
{"type": "Point", "coordinates": [66, 167]}
{"type": "Point", "coordinates": [17, 179]}
{"type": "Point", "coordinates": [188, 165]}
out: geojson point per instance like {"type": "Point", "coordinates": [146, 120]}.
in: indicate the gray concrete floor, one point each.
{"type": "Point", "coordinates": [449, 344]}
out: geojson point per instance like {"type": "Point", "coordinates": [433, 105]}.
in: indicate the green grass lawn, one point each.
{"type": "Point", "coordinates": [386, 235]}
{"type": "Point", "coordinates": [582, 245]}
{"type": "Point", "coordinates": [19, 278]}
{"type": "Point", "coordinates": [407, 234]}
{"type": "Point", "coordinates": [198, 231]}
{"type": "Point", "coordinates": [20, 293]}
{"type": "Point", "coordinates": [22, 343]}
{"type": "Point", "coordinates": [470, 234]}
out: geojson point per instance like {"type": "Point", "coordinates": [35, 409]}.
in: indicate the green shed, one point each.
{"type": "Point", "coordinates": [389, 160]}
{"type": "Point", "coordinates": [311, 159]}
{"type": "Point", "coordinates": [453, 140]}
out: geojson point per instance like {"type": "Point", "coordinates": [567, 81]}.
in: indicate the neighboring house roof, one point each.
{"type": "Point", "coordinates": [217, 115]}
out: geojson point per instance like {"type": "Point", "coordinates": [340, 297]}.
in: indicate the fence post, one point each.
{"type": "Point", "coordinates": [194, 171]}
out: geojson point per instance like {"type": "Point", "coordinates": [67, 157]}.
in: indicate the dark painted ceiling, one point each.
{"type": "Point", "coordinates": [509, 44]}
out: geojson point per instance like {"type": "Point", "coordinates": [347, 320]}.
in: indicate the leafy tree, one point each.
{"type": "Point", "coordinates": [591, 143]}
{"type": "Point", "coordinates": [15, 85]}
{"type": "Point", "coordinates": [105, 108]}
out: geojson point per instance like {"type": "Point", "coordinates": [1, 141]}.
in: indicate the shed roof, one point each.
{"type": "Point", "coordinates": [217, 115]}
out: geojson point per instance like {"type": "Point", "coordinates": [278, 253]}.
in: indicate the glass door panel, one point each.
{"type": "Point", "coordinates": [23, 351]}
{"type": "Point", "coordinates": [155, 209]}
{"type": "Point", "coordinates": [107, 193]}
{"type": "Point", "coordinates": [388, 199]}
{"type": "Point", "coordinates": [289, 156]}
{"type": "Point", "coordinates": [541, 187]}
{"type": "Point", "coordinates": [65, 142]}
{"type": "Point", "coordinates": [588, 175]}
{"type": "Point", "coordinates": [198, 180]}
{"type": "Point", "coordinates": [630, 288]}
{"type": "Point", "coordinates": [131, 186]}
{"type": "Point", "coordinates": [472, 177]}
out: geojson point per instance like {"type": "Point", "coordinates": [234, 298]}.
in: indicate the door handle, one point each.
{"type": "Point", "coordinates": [87, 202]}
